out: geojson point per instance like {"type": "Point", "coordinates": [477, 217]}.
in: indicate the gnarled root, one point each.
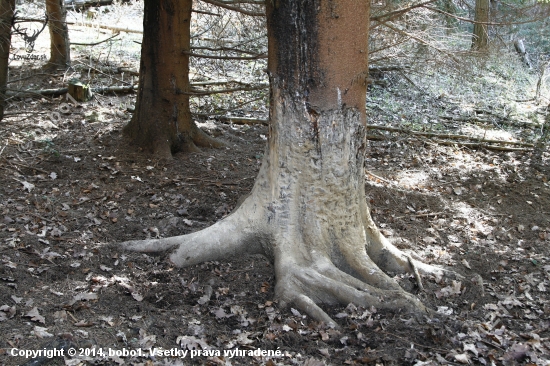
{"type": "Point", "coordinates": [314, 263]}
{"type": "Point", "coordinates": [306, 276]}
{"type": "Point", "coordinates": [229, 237]}
{"type": "Point", "coordinates": [306, 286]}
{"type": "Point", "coordinates": [391, 259]}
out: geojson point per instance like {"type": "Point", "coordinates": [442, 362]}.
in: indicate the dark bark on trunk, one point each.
{"type": "Point", "coordinates": [162, 122]}
{"type": "Point", "coordinates": [60, 47]}
{"type": "Point", "coordinates": [7, 7]}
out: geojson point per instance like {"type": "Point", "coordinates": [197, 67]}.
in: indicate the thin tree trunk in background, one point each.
{"type": "Point", "coordinates": [60, 48]}
{"type": "Point", "coordinates": [7, 8]}
{"type": "Point", "coordinates": [162, 121]}
{"type": "Point", "coordinates": [480, 38]}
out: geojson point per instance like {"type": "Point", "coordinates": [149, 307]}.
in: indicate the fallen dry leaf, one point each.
{"type": "Point", "coordinates": [41, 332]}
{"type": "Point", "coordinates": [191, 343]}
{"type": "Point", "coordinates": [462, 358]}
{"type": "Point", "coordinates": [35, 316]}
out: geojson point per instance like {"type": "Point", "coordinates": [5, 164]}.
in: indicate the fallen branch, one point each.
{"type": "Point", "coordinates": [484, 120]}
{"type": "Point", "coordinates": [79, 5]}
{"type": "Point", "coordinates": [104, 26]}
{"type": "Point", "coordinates": [227, 49]}
{"type": "Point", "coordinates": [449, 136]}
{"type": "Point", "coordinates": [378, 177]}
{"type": "Point", "coordinates": [210, 115]}
{"type": "Point", "coordinates": [477, 145]}
{"type": "Point", "coordinates": [244, 120]}
{"type": "Point", "coordinates": [121, 69]}
{"type": "Point", "coordinates": [256, 57]}
{"type": "Point", "coordinates": [412, 83]}
{"type": "Point", "coordinates": [12, 93]}
{"type": "Point", "coordinates": [25, 166]}
{"type": "Point", "coordinates": [115, 89]}
{"type": "Point", "coordinates": [127, 70]}
{"type": "Point", "coordinates": [235, 120]}
{"type": "Point", "coordinates": [229, 90]}
{"type": "Point", "coordinates": [234, 8]}
{"type": "Point", "coordinates": [101, 72]}
{"type": "Point", "coordinates": [16, 93]}
{"type": "Point", "coordinates": [428, 214]}
{"type": "Point", "coordinates": [95, 43]}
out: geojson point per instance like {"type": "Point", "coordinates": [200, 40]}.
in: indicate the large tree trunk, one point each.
{"type": "Point", "coordinates": [307, 211]}
{"type": "Point", "coordinates": [480, 38]}
{"type": "Point", "coordinates": [7, 8]}
{"type": "Point", "coordinates": [60, 48]}
{"type": "Point", "coordinates": [162, 121]}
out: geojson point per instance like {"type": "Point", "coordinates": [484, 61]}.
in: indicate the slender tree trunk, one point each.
{"type": "Point", "coordinates": [307, 211]}
{"type": "Point", "coordinates": [162, 121]}
{"type": "Point", "coordinates": [480, 38]}
{"type": "Point", "coordinates": [537, 159]}
{"type": "Point", "coordinates": [7, 8]}
{"type": "Point", "coordinates": [60, 47]}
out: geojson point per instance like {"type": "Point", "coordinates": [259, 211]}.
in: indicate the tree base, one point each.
{"type": "Point", "coordinates": [304, 284]}
{"type": "Point", "coordinates": [164, 147]}
{"type": "Point", "coordinates": [307, 213]}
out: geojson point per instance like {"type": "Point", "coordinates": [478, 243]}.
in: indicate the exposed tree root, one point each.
{"type": "Point", "coordinates": [202, 139]}
{"type": "Point", "coordinates": [188, 142]}
{"type": "Point", "coordinates": [308, 279]}
{"type": "Point", "coordinates": [307, 212]}
{"type": "Point", "coordinates": [310, 218]}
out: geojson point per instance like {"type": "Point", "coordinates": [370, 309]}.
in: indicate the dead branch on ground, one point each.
{"type": "Point", "coordinates": [448, 136]}
{"type": "Point", "coordinates": [104, 26]}
{"type": "Point", "coordinates": [238, 120]}
{"type": "Point", "coordinates": [258, 56]}
{"type": "Point", "coordinates": [14, 93]}
{"type": "Point", "coordinates": [234, 8]}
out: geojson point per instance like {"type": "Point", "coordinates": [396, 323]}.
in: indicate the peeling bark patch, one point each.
{"type": "Point", "coordinates": [313, 116]}
{"type": "Point", "coordinates": [313, 53]}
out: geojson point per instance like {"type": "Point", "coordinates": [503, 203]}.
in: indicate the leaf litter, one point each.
{"type": "Point", "coordinates": [55, 235]}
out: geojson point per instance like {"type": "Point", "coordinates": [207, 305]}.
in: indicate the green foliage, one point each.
{"type": "Point", "coordinates": [49, 148]}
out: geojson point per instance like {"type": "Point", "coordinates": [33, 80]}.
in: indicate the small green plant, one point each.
{"type": "Point", "coordinates": [49, 148]}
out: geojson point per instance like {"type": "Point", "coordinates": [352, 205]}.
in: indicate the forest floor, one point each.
{"type": "Point", "coordinates": [71, 187]}
{"type": "Point", "coordinates": [65, 199]}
